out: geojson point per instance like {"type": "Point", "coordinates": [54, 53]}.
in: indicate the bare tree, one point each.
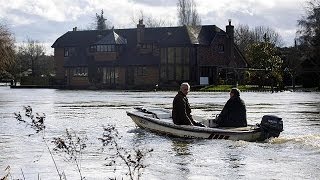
{"type": "Point", "coordinates": [262, 34]}
{"type": "Point", "coordinates": [187, 13]}
{"type": "Point", "coordinates": [29, 55]}
{"type": "Point", "coordinates": [153, 22]}
{"type": "Point", "coordinates": [7, 53]}
{"type": "Point", "coordinates": [150, 21]}
{"type": "Point", "coordinates": [244, 36]}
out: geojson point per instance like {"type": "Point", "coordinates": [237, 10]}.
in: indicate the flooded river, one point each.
{"type": "Point", "coordinates": [294, 155]}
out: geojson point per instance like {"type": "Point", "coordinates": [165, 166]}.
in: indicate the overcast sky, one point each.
{"type": "Point", "coordinates": [46, 20]}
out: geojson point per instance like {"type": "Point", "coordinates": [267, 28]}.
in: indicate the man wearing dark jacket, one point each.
{"type": "Point", "coordinates": [234, 113]}
{"type": "Point", "coordinates": [181, 111]}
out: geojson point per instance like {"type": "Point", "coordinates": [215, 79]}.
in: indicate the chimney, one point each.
{"type": "Point", "coordinates": [230, 40]}
{"type": "Point", "coordinates": [140, 32]}
{"type": "Point", "coordinates": [74, 29]}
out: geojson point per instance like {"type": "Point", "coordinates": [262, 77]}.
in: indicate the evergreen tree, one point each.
{"type": "Point", "coordinates": [264, 56]}
{"type": "Point", "coordinates": [309, 36]}
{"type": "Point", "coordinates": [101, 21]}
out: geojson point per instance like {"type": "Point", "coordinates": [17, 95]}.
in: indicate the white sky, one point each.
{"type": "Point", "coordinates": [46, 20]}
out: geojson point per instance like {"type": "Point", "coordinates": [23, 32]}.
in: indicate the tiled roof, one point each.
{"type": "Point", "coordinates": [200, 34]}
{"type": "Point", "coordinates": [112, 38]}
{"type": "Point", "coordinates": [164, 36]}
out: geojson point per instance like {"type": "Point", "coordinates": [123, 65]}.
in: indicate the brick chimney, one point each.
{"type": "Point", "coordinates": [140, 32]}
{"type": "Point", "coordinates": [230, 40]}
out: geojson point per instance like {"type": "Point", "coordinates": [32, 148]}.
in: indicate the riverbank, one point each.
{"type": "Point", "coordinates": [255, 88]}
{"type": "Point", "coordinates": [211, 88]}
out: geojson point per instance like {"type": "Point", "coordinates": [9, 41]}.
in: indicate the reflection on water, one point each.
{"type": "Point", "coordinates": [180, 146]}
{"type": "Point", "coordinates": [233, 156]}
{"type": "Point", "coordinates": [183, 156]}
{"type": "Point", "coordinates": [173, 158]}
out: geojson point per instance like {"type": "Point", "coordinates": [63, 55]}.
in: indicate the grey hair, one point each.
{"type": "Point", "coordinates": [184, 84]}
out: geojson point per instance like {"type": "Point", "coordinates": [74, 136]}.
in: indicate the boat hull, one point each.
{"type": "Point", "coordinates": [165, 126]}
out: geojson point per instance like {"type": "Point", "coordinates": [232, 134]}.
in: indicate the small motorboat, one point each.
{"type": "Point", "coordinates": [159, 120]}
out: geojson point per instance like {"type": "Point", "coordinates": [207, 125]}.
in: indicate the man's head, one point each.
{"type": "Point", "coordinates": [185, 88]}
{"type": "Point", "coordinates": [235, 92]}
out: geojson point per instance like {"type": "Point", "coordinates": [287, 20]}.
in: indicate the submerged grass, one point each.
{"type": "Point", "coordinates": [226, 88]}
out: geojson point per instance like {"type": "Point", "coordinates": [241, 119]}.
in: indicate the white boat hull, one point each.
{"type": "Point", "coordinates": [150, 121]}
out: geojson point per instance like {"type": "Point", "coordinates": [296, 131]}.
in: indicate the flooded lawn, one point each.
{"type": "Point", "coordinates": [294, 155]}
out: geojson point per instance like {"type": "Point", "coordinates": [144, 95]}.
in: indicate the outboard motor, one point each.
{"type": "Point", "coordinates": [271, 126]}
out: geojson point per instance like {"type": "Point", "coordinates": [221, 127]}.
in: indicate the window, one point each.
{"type": "Point", "coordinates": [163, 65]}
{"type": "Point", "coordinates": [179, 72]}
{"type": "Point", "coordinates": [171, 55]}
{"type": "Point", "coordinates": [93, 49]}
{"type": "Point", "coordinates": [111, 75]}
{"type": "Point", "coordinates": [141, 71]}
{"type": "Point", "coordinates": [66, 52]}
{"type": "Point", "coordinates": [146, 46]}
{"type": "Point", "coordinates": [69, 51]}
{"type": "Point", "coordinates": [112, 48]}
{"type": "Point", "coordinates": [175, 63]}
{"type": "Point", "coordinates": [98, 48]}
{"type": "Point", "coordinates": [220, 48]}
{"type": "Point", "coordinates": [80, 71]}
{"type": "Point", "coordinates": [105, 48]}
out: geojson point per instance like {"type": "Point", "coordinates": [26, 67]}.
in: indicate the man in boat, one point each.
{"type": "Point", "coordinates": [181, 111]}
{"type": "Point", "coordinates": [234, 113]}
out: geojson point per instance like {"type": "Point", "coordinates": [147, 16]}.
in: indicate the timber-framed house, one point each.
{"type": "Point", "coordinates": [144, 57]}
